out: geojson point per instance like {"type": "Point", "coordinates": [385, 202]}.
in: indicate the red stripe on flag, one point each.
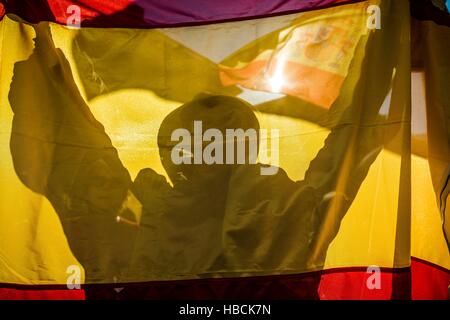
{"type": "Point", "coordinates": [156, 13]}
{"type": "Point", "coordinates": [308, 83]}
{"type": "Point", "coordinates": [40, 294]}
{"type": "Point", "coordinates": [2, 11]}
{"type": "Point", "coordinates": [429, 281]}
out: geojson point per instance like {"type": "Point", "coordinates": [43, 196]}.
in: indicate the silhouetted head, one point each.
{"type": "Point", "coordinates": [214, 112]}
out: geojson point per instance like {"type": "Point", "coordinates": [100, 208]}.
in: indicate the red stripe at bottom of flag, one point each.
{"type": "Point", "coordinates": [422, 280]}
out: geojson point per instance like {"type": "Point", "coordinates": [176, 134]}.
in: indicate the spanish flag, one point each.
{"type": "Point", "coordinates": [270, 149]}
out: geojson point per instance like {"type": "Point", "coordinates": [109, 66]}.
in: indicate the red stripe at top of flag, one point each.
{"type": "Point", "coordinates": [154, 14]}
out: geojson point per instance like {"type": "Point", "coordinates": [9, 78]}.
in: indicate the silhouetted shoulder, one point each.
{"type": "Point", "coordinates": [250, 191]}
{"type": "Point", "coordinates": [148, 185]}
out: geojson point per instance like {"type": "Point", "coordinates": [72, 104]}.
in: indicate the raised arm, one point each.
{"type": "Point", "coordinates": [341, 166]}
{"type": "Point", "coordinates": [62, 152]}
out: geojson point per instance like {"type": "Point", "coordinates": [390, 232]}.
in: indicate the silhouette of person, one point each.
{"type": "Point", "coordinates": [227, 217]}
{"type": "Point", "coordinates": [214, 219]}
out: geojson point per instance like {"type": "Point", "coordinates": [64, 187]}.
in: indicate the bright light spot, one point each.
{"type": "Point", "coordinates": [276, 82]}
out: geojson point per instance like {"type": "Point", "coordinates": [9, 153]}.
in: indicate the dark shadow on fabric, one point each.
{"type": "Point", "coordinates": [62, 152]}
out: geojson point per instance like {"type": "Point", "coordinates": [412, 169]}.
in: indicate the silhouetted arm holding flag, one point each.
{"type": "Point", "coordinates": [342, 165]}
{"type": "Point", "coordinates": [273, 223]}
{"type": "Point", "coordinates": [62, 152]}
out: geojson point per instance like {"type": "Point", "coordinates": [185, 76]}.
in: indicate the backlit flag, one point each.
{"type": "Point", "coordinates": [258, 149]}
{"type": "Point", "coordinates": [311, 58]}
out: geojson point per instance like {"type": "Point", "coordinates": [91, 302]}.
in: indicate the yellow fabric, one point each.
{"type": "Point", "coordinates": [430, 187]}
{"type": "Point", "coordinates": [130, 80]}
